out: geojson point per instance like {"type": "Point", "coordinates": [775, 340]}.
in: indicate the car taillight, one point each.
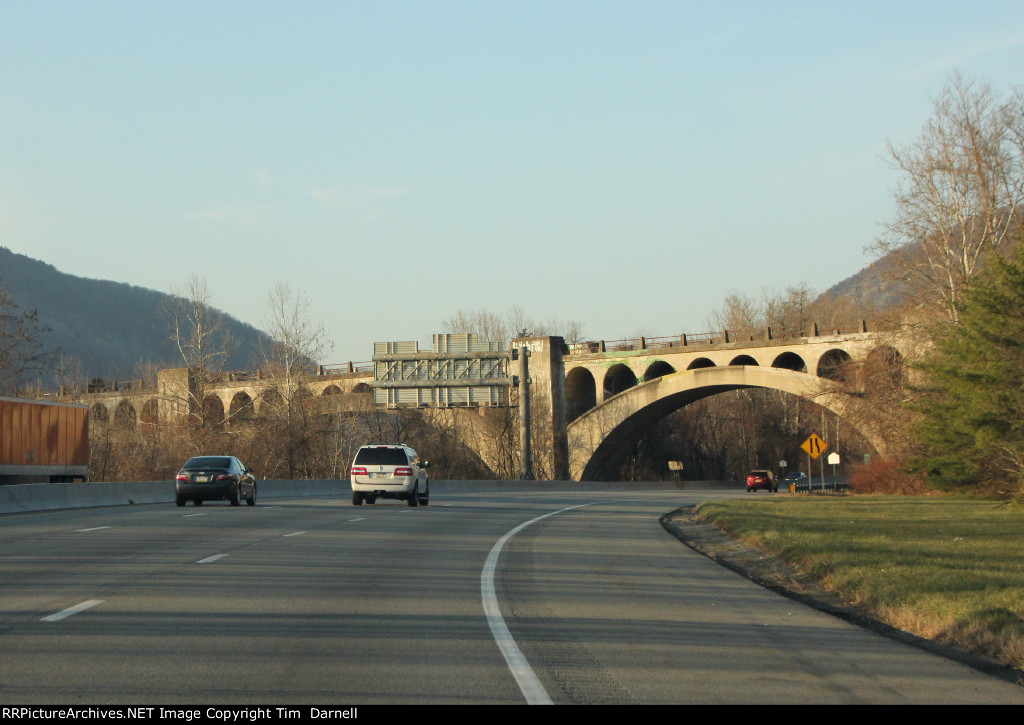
{"type": "Point", "coordinates": [750, 479]}
{"type": "Point", "coordinates": [181, 477]}
{"type": "Point", "coordinates": [223, 477]}
{"type": "Point", "coordinates": [358, 471]}
{"type": "Point", "coordinates": [403, 471]}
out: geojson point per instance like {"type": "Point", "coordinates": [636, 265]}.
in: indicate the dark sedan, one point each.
{"type": "Point", "coordinates": [214, 478]}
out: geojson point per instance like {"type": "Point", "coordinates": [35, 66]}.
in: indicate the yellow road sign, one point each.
{"type": "Point", "coordinates": [814, 446]}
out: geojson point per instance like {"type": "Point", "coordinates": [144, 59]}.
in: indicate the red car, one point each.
{"type": "Point", "coordinates": [761, 479]}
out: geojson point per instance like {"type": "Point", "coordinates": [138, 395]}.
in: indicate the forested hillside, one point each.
{"type": "Point", "coordinates": [107, 329]}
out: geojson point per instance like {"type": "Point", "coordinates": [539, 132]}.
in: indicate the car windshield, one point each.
{"type": "Point", "coordinates": [204, 462]}
{"type": "Point", "coordinates": [381, 457]}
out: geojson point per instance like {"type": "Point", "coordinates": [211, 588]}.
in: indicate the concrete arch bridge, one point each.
{"type": "Point", "coordinates": [611, 397]}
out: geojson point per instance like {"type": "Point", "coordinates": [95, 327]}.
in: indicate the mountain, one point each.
{"type": "Point", "coordinates": [109, 328]}
{"type": "Point", "coordinates": [874, 288]}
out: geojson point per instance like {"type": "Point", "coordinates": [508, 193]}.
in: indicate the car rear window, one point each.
{"type": "Point", "coordinates": [203, 462]}
{"type": "Point", "coordinates": [381, 457]}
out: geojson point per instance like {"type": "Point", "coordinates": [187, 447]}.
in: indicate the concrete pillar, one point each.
{"type": "Point", "coordinates": [547, 404]}
{"type": "Point", "coordinates": [174, 386]}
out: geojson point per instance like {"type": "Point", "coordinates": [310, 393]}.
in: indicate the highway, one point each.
{"type": "Point", "coordinates": [315, 601]}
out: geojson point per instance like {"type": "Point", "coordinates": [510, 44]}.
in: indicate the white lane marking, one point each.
{"type": "Point", "coordinates": [208, 559]}
{"type": "Point", "coordinates": [524, 675]}
{"type": "Point", "coordinates": [294, 533]}
{"type": "Point", "coordinates": [188, 516]}
{"type": "Point", "coordinates": [95, 528]}
{"type": "Point", "coordinates": [359, 519]}
{"type": "Point", "coordinates": [72, 610]}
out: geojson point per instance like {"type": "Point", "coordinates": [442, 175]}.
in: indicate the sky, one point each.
{"type": "Point", "coordinates": [625, 165]}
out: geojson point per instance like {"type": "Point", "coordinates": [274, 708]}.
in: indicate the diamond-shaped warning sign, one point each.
{"type": "Point", "coordinates": [814, 445]}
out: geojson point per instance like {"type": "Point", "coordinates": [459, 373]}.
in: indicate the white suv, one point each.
{"type": "Point", "coordinates": [388, 470]}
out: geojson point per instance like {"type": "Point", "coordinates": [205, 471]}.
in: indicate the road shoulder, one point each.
{"type": "Point", "coordinates": [765, 570]}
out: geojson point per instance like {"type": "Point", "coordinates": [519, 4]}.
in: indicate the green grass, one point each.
{"type": "Point", "coordinates": [946, 568]}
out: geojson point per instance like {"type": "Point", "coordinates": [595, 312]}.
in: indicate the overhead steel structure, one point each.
{"type": "Point", "coordinates": [461, 370]}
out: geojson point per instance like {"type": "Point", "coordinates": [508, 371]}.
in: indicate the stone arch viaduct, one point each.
{"type": "Point", "coordinates": [589, 400]}
{"type": "Point", "coordinates": [232, 396]}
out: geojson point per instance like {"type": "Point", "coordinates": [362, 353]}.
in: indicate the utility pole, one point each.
{"type": "Point", "coordinates": [525, 449]}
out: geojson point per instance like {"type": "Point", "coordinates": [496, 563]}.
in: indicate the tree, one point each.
{"type": "Point", "coordinates": [972, 425]}
{"type": "Point", "coordinates": [961, 188]}
{"type": "Point", "coordinates": [297, 343]}
{"type": "Point", "coordinates": [200, 334]}
{"type": "Point", "coordinates": [492, 327]}
{"type": "Point", "coordinates": [21, 351]}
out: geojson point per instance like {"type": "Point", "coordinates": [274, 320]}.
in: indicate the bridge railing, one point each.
{"type": "Point", "coordinates": [350, 367]}
{"type": "Point", "coordinates": [717, 337]}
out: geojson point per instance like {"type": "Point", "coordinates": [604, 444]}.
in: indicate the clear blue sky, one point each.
{"type": "Point", "coordinates": [624, 164]}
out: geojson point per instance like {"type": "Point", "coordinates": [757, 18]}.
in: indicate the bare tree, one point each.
{"type": "Point", "coordinates": [493, 327]}
{"type": "Point", "coordinates": [201, 336]}
{"type": "Point", "coordinates": [297, 343]}
{"type": "Point", "coordinates": [962, 185]}
{"type": "Point", "coordinates": [21, 351]}
{"type": "Point", "coordinates": [487, 325]}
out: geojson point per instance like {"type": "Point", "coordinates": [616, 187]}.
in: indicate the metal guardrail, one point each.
{"type": "Point", "coordinates": [829, 485]}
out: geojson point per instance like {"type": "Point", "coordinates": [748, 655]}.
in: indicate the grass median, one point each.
{"type": "Point", "coordinates": [950, 569]}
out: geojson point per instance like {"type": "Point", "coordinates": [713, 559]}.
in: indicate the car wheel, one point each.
{"type": "Point", "coordinates": [357, 498]}
{"type": "Point", "coordinates": [197, 502]}
{"type": "Point", "coordinates": [179, 501]}
{"type": "Point", "coordinates": [371, 499]}
{"type": "Point", "coordinates": [425, 498]}
{"type": "Point", "coordinates": [413, 499]}
{"type": "Point", "coordinates": [251, 501]}
{"type": "Point", "coordinates": [233, 497]}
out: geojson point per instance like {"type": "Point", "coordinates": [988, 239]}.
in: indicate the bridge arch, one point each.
{"type": "Point", "coordinates": [740, 360]}
{"type": "Point", "coordinates": [657, 369]}
{"type": "Point", "coordinates": [242, 406]}
{"type": "Point", "coordinates": [99, 413]}
{"type": "Point", "coordinates": [125, 416]}
{"type": "Point", "coordinates": [790, 361]}
{"type": "Point", "coordinates": [213, 410]}
{"type": "Point", "coordinates": [619, 377]}
{"type": "Point", "coordinates": [580, 392]}
{"type": "Point", "coordinates": [884, 366]}
{"type": "Point", "coordinates": [599, 438]}
{"type": "Point", "coordinates": [834, 364]}
{"type": "Point", "coordinates": [700, 363]}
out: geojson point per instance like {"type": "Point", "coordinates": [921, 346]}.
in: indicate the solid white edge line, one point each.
{"type": "Point", "coordinates": [72, 610]}
{"type": "Point", "coordinates": [209, 559]}
{"type": "Point", "coordinates": [524, 675]}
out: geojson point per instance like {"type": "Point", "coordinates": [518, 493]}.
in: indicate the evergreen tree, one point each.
{"type": "Point", "coordinates": [972, 425]}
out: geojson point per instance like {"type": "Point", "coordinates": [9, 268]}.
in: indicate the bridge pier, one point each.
{"type": "Point", "coordinates": [550, 440]}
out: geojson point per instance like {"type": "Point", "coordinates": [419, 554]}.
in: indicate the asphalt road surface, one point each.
{"type": "Point", "coordinates": [487, 597]}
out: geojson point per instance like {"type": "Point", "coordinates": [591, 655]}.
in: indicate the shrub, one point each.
{"type": "Point", "coordinates": [883, 476]}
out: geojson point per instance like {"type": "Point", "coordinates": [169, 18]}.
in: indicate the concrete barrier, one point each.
{"type": "Point", "coordinates": [21, 498]}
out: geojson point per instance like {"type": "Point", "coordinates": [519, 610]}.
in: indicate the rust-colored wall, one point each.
{"type": "Point", "coordinates": [50, 434]}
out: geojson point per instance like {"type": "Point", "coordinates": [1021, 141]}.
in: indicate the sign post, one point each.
{"type": "Point", "coordinates": [814, 447]}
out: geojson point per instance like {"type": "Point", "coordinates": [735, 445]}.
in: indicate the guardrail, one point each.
{"type": "Point", "coordinates": [717, 337]}
{"type": "Point", "coordinates": [829, 485]}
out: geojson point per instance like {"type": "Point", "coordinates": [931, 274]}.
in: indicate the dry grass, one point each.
{"type": "Point", "coordinates": [941, 567]}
